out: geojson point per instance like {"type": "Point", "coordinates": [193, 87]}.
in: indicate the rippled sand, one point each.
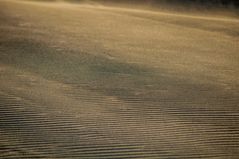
{"type": "Point", "coordinates": [88, 81]}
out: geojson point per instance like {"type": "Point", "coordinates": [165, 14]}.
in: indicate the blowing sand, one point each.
{"type": "Point", "coordinates": [90, 81]}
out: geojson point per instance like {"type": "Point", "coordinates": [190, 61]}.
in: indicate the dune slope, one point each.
{"type": "Point", "coordinates": [88, 81]}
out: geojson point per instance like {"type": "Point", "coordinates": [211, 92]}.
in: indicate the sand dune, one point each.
{"type": "Point", "coordinates": [90, 81]}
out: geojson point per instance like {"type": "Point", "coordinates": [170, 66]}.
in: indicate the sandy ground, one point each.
{"type": "Point", "coordinates": [88, 81]}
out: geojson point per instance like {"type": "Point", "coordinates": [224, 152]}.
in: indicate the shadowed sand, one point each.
{"type": "Point", "coordinates": [89, 81]}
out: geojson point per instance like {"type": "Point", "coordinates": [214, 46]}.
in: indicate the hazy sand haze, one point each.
{"type": "Point", "coordinates": [86, 81]}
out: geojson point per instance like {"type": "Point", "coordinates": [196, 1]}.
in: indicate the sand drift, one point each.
{"type": "Point", "coordinates": [89, 81]}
